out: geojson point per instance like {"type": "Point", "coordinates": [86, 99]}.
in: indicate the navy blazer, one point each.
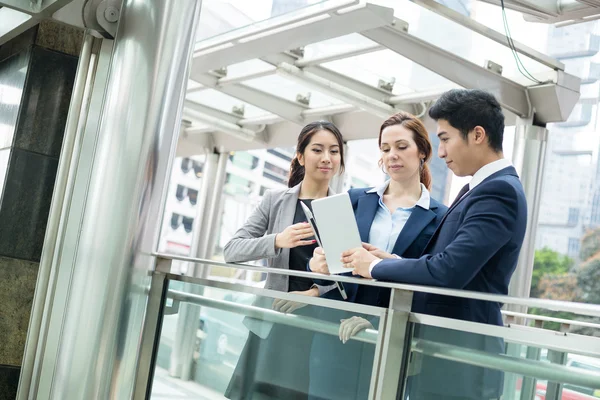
{"type": "Point", "coordinates": [411, 241]}
{"type": "Point", "coordinates": [476, 248]}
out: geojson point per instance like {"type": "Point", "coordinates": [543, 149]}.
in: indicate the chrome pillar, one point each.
{"type": "Point", "coordinates": [120, 192]}
{"type": "Point", "coordinates": [529, 155]}
{"type": "Point", "coordinates": [63, 265]}
{"type": "Point", "coordinates": [202, 247]}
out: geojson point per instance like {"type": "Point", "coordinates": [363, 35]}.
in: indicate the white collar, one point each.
{"type": "Point", "coordinates": [488, 170]}
{"type": "Point", "coordinates": [423, 202]}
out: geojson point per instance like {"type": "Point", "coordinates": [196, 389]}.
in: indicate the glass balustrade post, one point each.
{"type": "Point", "coordinates": [392, 354]}
{"type": "Point", "coordinates": [554, 389]}
{"type": "Point", "coordinates": [151, 330]}
{"type": "Point", "coordinates": [528, 386]}
{"type": "Point", "coordinates": [510, 380]}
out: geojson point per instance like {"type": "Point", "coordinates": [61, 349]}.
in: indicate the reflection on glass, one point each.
{"type": "Point", "coordinates": [242, 348]}
{"type": "Point", "coordinates": [215, 99]}
{"type": "Point", "coordinates": [453, 364]}
{"type": "Point", "coordinates": [12, 81]}
{"type": "Point", "coordinates": [236, 14]}
{"type": "Point", "coordinates": [4, 158]}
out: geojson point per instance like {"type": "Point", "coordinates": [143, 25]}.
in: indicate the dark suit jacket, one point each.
{"type": "Point", "coordinates": [343, 371]}
{"type": "Point", "coordinates": [411, 242]}
{"type": "Point", "coordinates": [476, 247]}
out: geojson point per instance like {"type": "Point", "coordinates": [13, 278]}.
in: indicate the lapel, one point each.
{"type": "Point", "coordinates": [285, 218]}
{"type": "Point", "coordinates": [285, 215]}
{"type": "Point", "coordinates": [287, 209]}
{"type": "Point", "coordinates": [365, 214]}
{"type": "Point", "coordinates": [418, 220]}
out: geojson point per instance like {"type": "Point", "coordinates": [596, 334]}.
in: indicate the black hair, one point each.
{"type": "Point", "coordinates": [297, 170]}
{"type": "Point", "coordinates": [464, 109]}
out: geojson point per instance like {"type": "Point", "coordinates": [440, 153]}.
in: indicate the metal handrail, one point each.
{"type": "Point", "coordinates": [537, 369]}
{"type": "Point", "coordinates": [262, 314]}
{"type": "Point", "coordinates": [590, 310]}
{"type": "Point", "coordinates": [533, 368]}
{"type": "Point", "coordinates": [544, 318]}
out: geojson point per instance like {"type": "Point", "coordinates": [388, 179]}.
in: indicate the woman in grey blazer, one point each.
{"type": "Point", "coordinates": [276, 365]}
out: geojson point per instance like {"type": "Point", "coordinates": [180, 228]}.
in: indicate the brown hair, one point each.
{"type": "Point", "coordinates": [420, 136]}
{"type": "Point", "coordinates": [297, 170]}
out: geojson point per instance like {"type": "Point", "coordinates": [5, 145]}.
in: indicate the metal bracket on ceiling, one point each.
{"type": "Point", "coordinates": [102, 16]}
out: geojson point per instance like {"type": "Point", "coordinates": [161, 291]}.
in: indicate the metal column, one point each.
{"type": "Point", "coordinates": [120, 191]}
{"type": "Point", "coordinates": [529, 155]}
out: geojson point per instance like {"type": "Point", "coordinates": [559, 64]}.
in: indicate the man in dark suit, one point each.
{"type": "Point", "coordinates": [476, 246]}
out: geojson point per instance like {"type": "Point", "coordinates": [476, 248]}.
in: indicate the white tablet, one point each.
{"type": "Point", "coordinates": [337, 228]}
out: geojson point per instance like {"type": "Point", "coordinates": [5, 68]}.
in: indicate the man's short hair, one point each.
{"type": "Point", "coordinates": [464, 109]}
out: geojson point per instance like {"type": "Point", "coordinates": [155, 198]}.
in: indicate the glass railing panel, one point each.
{"type": "Point", "coordinates": [459, 364]}
{"type": "Point", "coordinates": [225, 341]}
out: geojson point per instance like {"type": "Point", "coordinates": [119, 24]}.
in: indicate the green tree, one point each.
{"type": "Point", "coordinates": [548, 262]}
{"type": "Point", "coordinates": [590, 244]}
{"type": "Point", "coordinates": [588, 280]}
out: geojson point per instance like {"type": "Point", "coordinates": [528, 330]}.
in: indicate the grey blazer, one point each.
{"type": "Point", "coordinates": [256, 239]}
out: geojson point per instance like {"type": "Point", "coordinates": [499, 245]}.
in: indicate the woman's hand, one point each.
{"type": "Point", "coordinates": [318, 263]}
{"type": "Point", "coordinates": [294, 235]}
{"type": "Point", "coordinates": [289, 306]}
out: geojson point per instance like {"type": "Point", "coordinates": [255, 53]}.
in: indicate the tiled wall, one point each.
{"type": "Point", "coordinates": [37, 71]}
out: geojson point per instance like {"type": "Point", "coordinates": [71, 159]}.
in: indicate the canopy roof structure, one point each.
{"type": "Point", "coordinates": [348, 61]}
{"type": "Point", "coordinates": [356, 63]}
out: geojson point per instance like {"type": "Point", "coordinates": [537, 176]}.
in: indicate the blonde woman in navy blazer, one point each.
{"type": "Point", "coordinates": [277, 231]}
{"type": "Point", "coordinates": [398, 217]}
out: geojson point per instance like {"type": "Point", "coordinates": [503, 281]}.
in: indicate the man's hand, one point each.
{"type": "Point", "coordinates": [376, 251]}
{"type": "Point", "coordinates": [350, 327]}
{"type": "Point", "coordinates": [359, 259]}
{"type": "Point", "coordinates": [289, 306]}
{"type": "Point", "coordinates": [318, 263]}
{"type": "Point", "coordinates": [294, 235]}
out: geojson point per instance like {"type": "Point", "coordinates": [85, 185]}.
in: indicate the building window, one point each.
{"type": "Point", "coordinates": [573, 247]}
{"type": "Point", "coordinates": [280, 154]}
{"type": "Point", "coordinates": [244, 160]}
{"type": "Point", "coordinates": [274, 177]}
{"type": "Point", "coordinates": [198, 167]}
{"type": "Point", "coordinates": [193, 196]}
{"type": "Point", "coordinates": [186, 165]}
{"type": "Point", "coordinates": [595, 217]}
{"type": "Point", "coordinates": [181, 192]}
{"type": "Point", "coordinates": [175, 221]}
{"type": "Point", "coordinates": [188, 223]}
{"type": "Point", "coordinates": [573, 216]}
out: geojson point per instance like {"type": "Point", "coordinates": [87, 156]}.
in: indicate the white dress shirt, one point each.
{"type": "Point", "coordinates": [387, 224]}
